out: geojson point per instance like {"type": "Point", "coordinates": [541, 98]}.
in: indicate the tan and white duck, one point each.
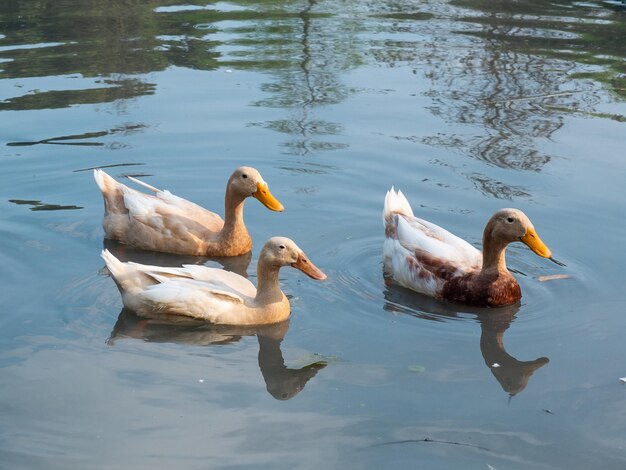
{"type": "Point", "coordinates": [211, 294]}
{"type": "Point", "coordinates": [426, 258]}
{"type": "Point", "coordinates": [165, 222]}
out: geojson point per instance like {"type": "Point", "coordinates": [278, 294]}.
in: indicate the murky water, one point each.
{"type": "Point", "coordinates": [466, 106]}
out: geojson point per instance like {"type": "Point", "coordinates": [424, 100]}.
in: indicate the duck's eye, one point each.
{"type": "Point", "coordinates": [244, 176]}
{"type": "Point", "coordinates": [510, 220]}
{"type": "Point", "coordinates": [282, 247]}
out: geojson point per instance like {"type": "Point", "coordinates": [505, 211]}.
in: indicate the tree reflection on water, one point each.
{"type": "Point", "coordinates": [500, 71]}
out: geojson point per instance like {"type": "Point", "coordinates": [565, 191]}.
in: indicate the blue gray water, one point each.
{"type": "Point", "coordinates": [466, 106]}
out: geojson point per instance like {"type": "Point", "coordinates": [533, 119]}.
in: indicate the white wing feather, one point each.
{"type": "Point", "coordinates": [190, 298]}
{"type": "Point", "coordinates": [417, 234]}
{"type": "Point", "coordinates": [407, 234]}
{"type": "Point", "coordinates": [149, 209]}
{"type": "Point", "coordinates": [191, 290]}
{"type": "Point", "coordinates": [396, 263]}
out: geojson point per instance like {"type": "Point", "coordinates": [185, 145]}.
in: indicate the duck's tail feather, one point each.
{"type": "Point", "coordinates": [112, 192]}
{"type": "Point", "coordinates": [127, 276]}
{"type": "Point", "coordinates": [104, 181]}
{"type": "Point", "coordinates": [396, 203]}
{"type": "Point", "coordinates": [116, 267]}
{"type": "Point", "coordinates": [145, 185]}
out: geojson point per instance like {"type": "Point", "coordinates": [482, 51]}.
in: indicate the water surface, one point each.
{"type": "Point", "coordinates": [467, 106]}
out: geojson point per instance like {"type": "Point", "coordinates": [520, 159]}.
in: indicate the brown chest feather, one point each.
{"type": "Point", "coordinates": [492, 290]}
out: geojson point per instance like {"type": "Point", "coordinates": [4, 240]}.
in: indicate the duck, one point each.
{"type": "Point", "coordinates": [168, 223]}
{"type": "Point", "coordinates": [211, 294]}
{"type": "Point", "coordinates": [428, 259]}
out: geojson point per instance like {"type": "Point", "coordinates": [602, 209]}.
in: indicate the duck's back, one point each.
{"type": "Point", "coordinates": [421, 255]}
{"type": "Point", "coordinates": [161, 222]}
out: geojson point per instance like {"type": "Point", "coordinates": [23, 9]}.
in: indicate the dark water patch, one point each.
{"type": "Point", "coordinates": [123, 89]}
{"type": "Point", "coordinates": [41, 206]}
{"type": "Point", "coordinates": [613, 117]}
{"type": "Point", "coordinates": [434, 441]}
{"type": "Point", "coordinates": [498, 189]}
{"type": "Point", "coordinates": [114, 165]}
{"type": "Point", "coordinates": [411, 16]}
{"type": "Point", "coordinates": [60, 140]}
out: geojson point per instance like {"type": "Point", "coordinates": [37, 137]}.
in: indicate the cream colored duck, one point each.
{"type": "Point", "coordinates": [168, 223]}
{"type": "Point", "coordinates": [426, 258]}
{"type": "Point", "coordinates": [211, 294]}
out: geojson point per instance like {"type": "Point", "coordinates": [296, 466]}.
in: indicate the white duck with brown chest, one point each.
{"type": "Point", "coordinates": [426, 258]}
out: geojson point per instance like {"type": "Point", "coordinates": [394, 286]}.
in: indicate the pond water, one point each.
{"type": "Point", "coordinates": [467, 106]}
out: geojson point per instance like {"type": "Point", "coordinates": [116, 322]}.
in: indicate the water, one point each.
{"type": "Point", "coordinates": [466, 106]}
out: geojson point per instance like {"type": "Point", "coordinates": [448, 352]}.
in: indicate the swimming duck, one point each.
{"type": "Point", "coordinates": [165, 222]}
{"type": "Point", "coordinates": [211, 294]}
{"type": "Point", "coordinates": [426, 258]}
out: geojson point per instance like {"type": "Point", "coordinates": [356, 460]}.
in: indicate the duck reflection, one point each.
{"type": "Point", "coordinates": [236, 264]}
{"type": "Point", "coordinates": [282, 382]}
{"type": "Point", "coordinates": [512, 375]}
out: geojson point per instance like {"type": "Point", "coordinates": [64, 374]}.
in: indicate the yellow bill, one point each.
{"type": "Point", "coordinates": [267, 199]}
{"type": "Point", "coordinates": [534, 243]}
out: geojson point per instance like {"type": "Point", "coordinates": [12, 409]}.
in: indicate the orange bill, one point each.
{"type": "Point", "coordinates": [534, 243]}
{"type": "Point", "coordinates": [308, 268]}
{"type": "Point", "coordinates": [267, 199]}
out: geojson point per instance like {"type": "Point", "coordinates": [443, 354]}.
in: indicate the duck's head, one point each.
{"type": "Point", "coordinates": [247, 181]}
{"type": "Point", "coordinates": [281, 251]}
{"type": "Point", "coordinates": [512, 225]}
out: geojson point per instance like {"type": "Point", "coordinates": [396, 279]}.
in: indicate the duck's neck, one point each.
{"type": "Point", "coordinates": [268, 289]}
{"type": "Point", "coordinates": [493, 254]}
{"type": "Point", "coordinates": [234, 228]}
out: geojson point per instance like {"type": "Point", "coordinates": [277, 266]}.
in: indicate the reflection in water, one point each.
{"type": "Point", "coordinates": [114, 39]}
{"type": "Point", "coordinates": [512, 374]}
{"type": "Point", "coordinates": [312, 80]}
{"type": "Point", "coordinates": [572, 31]}
{"type": "Point", "coordinates": [107, 58]}
{"type": "Point", "coordinates": [282, 382]}
{"type": "Point", "coordinates": [511, 86]}
{"type": "Point", "coordinates": [482, 89]}
{"type": "Point", "coordinates": [236, 264]}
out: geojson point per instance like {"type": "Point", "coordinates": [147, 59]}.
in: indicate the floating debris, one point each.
{"type": "Point", "coordinates": [553, 277]}
{"type": "Point", "coordinates": [316, 359]}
